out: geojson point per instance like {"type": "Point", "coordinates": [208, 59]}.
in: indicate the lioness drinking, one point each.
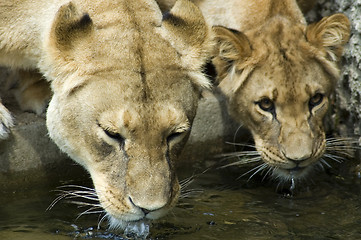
{"type": "Point", "coordinates": [125, 84]}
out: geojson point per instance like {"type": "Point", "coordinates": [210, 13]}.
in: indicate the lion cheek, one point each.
{"type": "Point", "coordinates": [58, 130]}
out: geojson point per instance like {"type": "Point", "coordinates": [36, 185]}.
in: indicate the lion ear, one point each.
{"type": "Point", "coordinates": [232, 45]}
{"type": "Point", "coordinates": [186, 29]}
{"type": "Point", "coordinates": [330, 34]}
{"type": "Point", "coordinates": [69, 25]}
{"type": "Point", "coordinates": [233, 49]}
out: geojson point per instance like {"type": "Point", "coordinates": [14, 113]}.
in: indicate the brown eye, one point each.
{"type": "Point", "coordinates": [316, 100]}
{"type": "Point", "coordinates": [266, 104]}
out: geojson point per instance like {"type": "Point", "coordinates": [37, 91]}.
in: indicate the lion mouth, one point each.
{"type": "Point", "coordinates": [296, 169]}
{"type": "Point", "coordinates": [291, 173]}
{"type": "Point", "coordinates": [137, 229]}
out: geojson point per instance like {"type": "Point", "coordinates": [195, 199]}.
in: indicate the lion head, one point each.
{"type": "Point", "coordinates": [126, 83]}
{"type": "Point", "coordinates": [278, 79]}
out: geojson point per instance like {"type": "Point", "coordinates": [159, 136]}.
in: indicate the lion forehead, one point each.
{"type": "Point", "coordinates": [288, 75]}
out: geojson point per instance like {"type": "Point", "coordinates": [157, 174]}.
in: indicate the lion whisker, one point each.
{"type": "Point", "coordinates": [186, 182]}
{"type": "Point", "coordinates": [267, 173]}
{"type": "Point", "coordinates": [62, 196]}
{"type": "Point", "coordinates": [340, 154]}
{"type": "Point", "coordinates": [241, 144]}
{"type": "Point", "coordinates": [320, 165]}
{"type": "Point", "coordinates": [83, 193]}
{"type": "Point", "coordinates": [101, 220]}
{"type": "Point", "coordinates": [79, 193]}
{"type": "Point", "coordinates": [276, 176]}
{"type": "Point", "coordinates": [236, 132]}
{"type": "Point", "coordinates": [263, 166]}
{"type": "Point", "coordinates": [343, 140]}
{"type": "Point", "coordinates": [70, 195]}
{"type": "Point", "coordinates": [190, 193]}
{"type": "Point", "coordinates": [339, 149]}
{"type": "Point", "coordinates": [335, 158]}
{"type": "Point", "coordinates": [89, 211]}
{"type": "Point", "coordinates": [54, 202]}
{"type": "Point", "coordinates": [278, 185]}
{"type": "Point", "coordinates": [239, 154]}
{"type": "Point", "coordinates": [243, 162]}
{"type": "Point", "coordinates": [255, 170]}
{"type": "Point", "coordinates": [324, 162]}
{"type": "Point", "coordinates": [83, 204]}
{"type": "Point", "coordinates": [226, 157]}
{"type": "Point", "coordinates": [342, 144]}
{"type": "Point", "coordinates": [77, 186]}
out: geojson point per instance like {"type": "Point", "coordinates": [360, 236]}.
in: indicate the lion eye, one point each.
{"type": "Point", "coordinates": [266, 104]}
{"type": "Point", "coordinates": [114, 135]}
{"type": "Point", "coordinates": [178, 134]}
{"type": "Point", "coordinates": [173, 136]}
{"type": "Point", "coordinates": [316, 100]}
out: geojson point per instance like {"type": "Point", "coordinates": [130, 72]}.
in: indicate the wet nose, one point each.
{"type": "Point", "coordinates": [143, 209]}
{"type": "Point", "coordinates": [297, 160]}
{"type": "Point", "coordinates": [146, 211]}
{"type": "Point", "coordinates": [296, 156]}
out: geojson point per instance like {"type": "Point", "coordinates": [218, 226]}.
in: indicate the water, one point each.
{"type": "Point", "coordinates": [227, 208]}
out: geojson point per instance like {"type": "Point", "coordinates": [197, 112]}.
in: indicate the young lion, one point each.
{"type": "Point", "coordinates": [278, 74]}
{"type": "Point", "coordinates": [125, 83]}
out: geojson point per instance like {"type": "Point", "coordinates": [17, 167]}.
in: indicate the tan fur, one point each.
{"type": "Point", "coordinates": [32, 91]}
{"type": "Point", "coordinates": [274, 56]}
{"type": "Point", "coordinates": [125, 90]}
{"type": "Point", "coordinates": [278, 75]}
{"type": "Point", "coordinates": [236, 14]}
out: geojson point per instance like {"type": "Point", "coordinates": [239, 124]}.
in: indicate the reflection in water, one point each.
{"type": "Point", "coordinates": [136, 230]}
{"type": "Point", "coordinates": [226, 209]}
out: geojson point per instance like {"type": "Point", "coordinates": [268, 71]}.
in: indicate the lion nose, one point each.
{"type": "Point", "coordinates": [143, 209]}
{"type": "Point", "coordinates": [296, 153]}
{"type": "Point", "coordinates": [146, 211]}
{"type": "Point", "coordinates": [297, 162]}
{"type": "Point", "coordinates": [297, 158]}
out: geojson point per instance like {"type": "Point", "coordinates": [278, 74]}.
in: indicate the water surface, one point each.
{"type": "Point", "coordinates": [227, 208]}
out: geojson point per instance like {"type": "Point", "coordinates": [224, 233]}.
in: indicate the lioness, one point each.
{"type": "Point", "coordinates": [278, 74]}
{"type": "Point", "coordinates": [125, 82]}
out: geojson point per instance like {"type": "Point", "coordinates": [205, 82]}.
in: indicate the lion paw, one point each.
{"type": "Point", "coordinates": [32, 92]}
{"type": "Point", "coordinates": [6, 122]}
